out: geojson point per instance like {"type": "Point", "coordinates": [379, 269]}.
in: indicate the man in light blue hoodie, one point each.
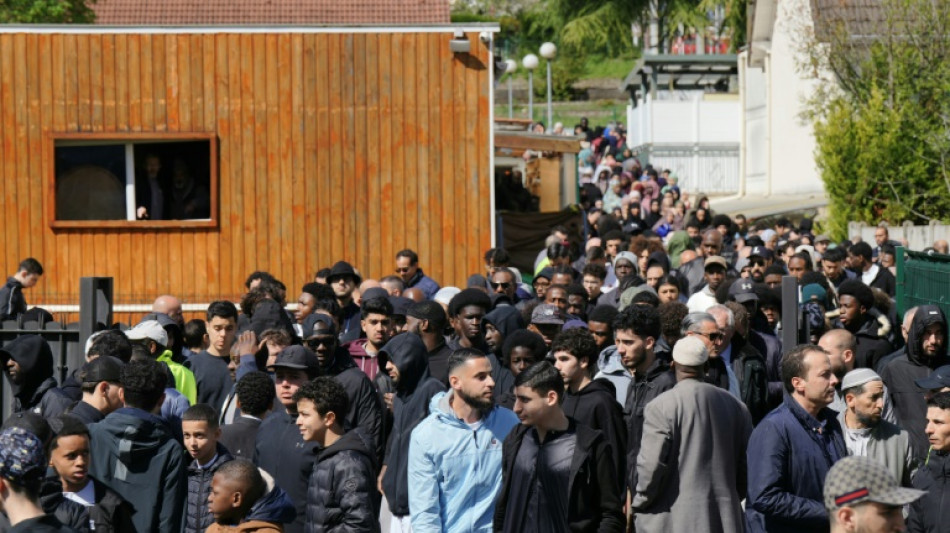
{"type": "Point", "coordinates": [455, 453]}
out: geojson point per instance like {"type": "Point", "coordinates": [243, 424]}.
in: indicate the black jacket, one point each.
{"type": "Point", "coordinates": [885, 281]}
{"type": "Point", "coordinates": [342, 496]}
{"type": "Point", "coordinates": [871, 347]}
{"type": "Point", "coordinates": [197, 516]}
{"type": "Point", "coordinates": [240, 437]}
{"type": "Point", "coordinates": [642, 390]}
{"type": "Point", "coordinates": [929, 513]}
{"type": "Point", "coordinates": [212, 378]}
{"type": "Point", "coordinates": [596, 406]}
{"type": "Point", "coordinates": [899, 375]}
{"type": "Point", "coordinates": [365, 410]}
{"type": "Point", "coordinates": [85, 413]}
{"type": "Point", "coordinates": [41, 524]}
{"type": "Point", "coordinates": [282, 452]}
{"type": "Point", "coordinates": [410, 406]}
{"type": "Point", "coordinates": [37, 389]}
{"type": "Point", "coordinates": [749, 367]}
{"type": "Point", "coordinates": [594, 502]}
{"type": "Point", "coordinates": [111, 513]}
{"type": "Point", "coordinates": [53, 502]}
{"type": "Point", "coordinates": [12, 302]}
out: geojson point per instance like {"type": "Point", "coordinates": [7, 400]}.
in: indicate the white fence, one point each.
{"type": "Point", "coordinates": [917, 237]}
{"type": "Point", "coordinates": [701, 169]}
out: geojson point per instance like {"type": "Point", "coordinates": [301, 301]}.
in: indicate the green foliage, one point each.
{"type": "Point", "coordinates": [46, 12]}
{"type": "Point", "coordinates": [883, 140]}
{"type": "Point", "coordinates": [565, 70]}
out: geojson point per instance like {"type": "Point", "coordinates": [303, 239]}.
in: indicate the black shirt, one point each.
{"type": "Point", "coordinates": [41, 524]}
{"type": "Point", "coordinates": [540, 480]}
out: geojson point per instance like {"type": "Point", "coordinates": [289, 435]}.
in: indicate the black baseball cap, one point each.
{"type": "Point", "coordinates": [297, 357]}
{"type": "Point", "coordinates": [310, 323]}
{"type": "Point", "coordinates": [937, 379]}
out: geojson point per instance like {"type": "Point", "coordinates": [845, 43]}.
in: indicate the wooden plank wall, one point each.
{"type": "Point", "coordinates": [331, 146]}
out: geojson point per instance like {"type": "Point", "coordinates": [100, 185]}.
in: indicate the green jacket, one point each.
{"type": "Point", "coordinates": [184, 378]}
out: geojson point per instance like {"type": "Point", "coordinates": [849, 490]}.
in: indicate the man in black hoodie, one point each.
{"type": "Point", "coordinates": [365, 410]}
{"type": "Point", "coordinates": [855, 301]}
{"type": "Point", "coordinates": [926, 350]}
{"type": "Point", "coordinates": [28, 364]}
{"type": "Point", "coordinates": [281, 451]}
{"type": "Point", "coordinates": [405, 359]}
{"type": "Point", "coordinates": [592, 401]}
{"type": "Point", "coordinates": [547, 453]}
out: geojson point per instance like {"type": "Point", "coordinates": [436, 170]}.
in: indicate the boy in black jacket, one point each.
{"type": "Point", "coordinates": [199, 427]}
{"type": "Point", "coordinates": [342, 495]}
{"type": "Point", "coordinates": [69, 457]}
{"type": "Point", "coordinates": [548, 452]}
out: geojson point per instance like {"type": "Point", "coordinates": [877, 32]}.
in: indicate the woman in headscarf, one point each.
{"type": "Point", "coordinates": [612, 198]}
{"type": "Point", "coordinates": [678, 243]}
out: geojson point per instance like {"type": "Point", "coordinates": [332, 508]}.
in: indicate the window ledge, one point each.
{"type": "Point", "coordinates": [133, 225]}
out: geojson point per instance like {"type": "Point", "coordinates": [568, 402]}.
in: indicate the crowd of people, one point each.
{"type": "Point", "coordinates": [637, 382]}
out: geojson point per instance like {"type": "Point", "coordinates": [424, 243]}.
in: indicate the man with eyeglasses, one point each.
{"type": "Point", "coordinates": [704, 327]}
{"type": "Point", "coordinates": [365, 411]}
{"type": "Point", "coordinates": [407, 267]}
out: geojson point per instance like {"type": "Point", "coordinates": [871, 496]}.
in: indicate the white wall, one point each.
{"type": "Point", "coordinates": [684, 122]}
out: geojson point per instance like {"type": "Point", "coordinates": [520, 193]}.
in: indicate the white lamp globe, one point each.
{"type": "Point", "coordinates": [548, 51]}
{"type": "Point", "coordinates": [530, 61]}
{"type": "Point", "coordinates": [510, 65]}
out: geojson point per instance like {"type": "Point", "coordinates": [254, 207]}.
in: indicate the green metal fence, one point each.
{"type": "Point", "coordinates": [922, 279]}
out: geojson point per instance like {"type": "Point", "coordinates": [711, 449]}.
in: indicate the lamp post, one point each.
{"type": "Point", "coordinates": [530, 62]}
{"type": "Point", "coordinates": [548, 51]}
{"type": "Point", "coordinates": [510, 66]}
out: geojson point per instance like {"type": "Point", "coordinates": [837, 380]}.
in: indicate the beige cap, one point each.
{"type": "Point", "coordinates": [690, 351]}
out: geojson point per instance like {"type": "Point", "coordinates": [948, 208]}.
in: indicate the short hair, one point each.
{"type": "Point", "coordinates": [434, 311]}
{"type": "Point", "coordinates": [692, 321]}
{"type": "Point", "coordinates": [719, 308]}
{"type": "Point", "coordinates": [143, 383]}
{"type": "Point", "coordinates": [642, 320]}
{"type": "Point", "coordinates": [255, 391]}
{"type": "Point", "coordinates": [793, 363]}
{"type": "Point", "coordinates": [396, 280]}
{"type": "Point", "coordinates": [835, 255]}
{"type": "Point", "coordinates": [941, 400]}
{"type": "Point", "coordinates": [318, 290]}
{"type": "Point", "coordinates": [413, 256]}
{"type": "Point", "coordinates": [327, 395]}
{"type": "Point", "coordinates": [558, 250]}
{"type": "Point", "coordinates": [195, 331]}
{"type": "Point", "coordinates": [542, 377]}
{"type": "Point", "coordinates": [323, 273]}
{"type": "Point", "coordinates": [857, 290]}
{"type": "Point", "coordinates": [247, 474]}
{"type": "Point", "coordinates": [467, 298]}
{"type": "Point", "coordinates": [595, 253]}
{"type": "Point", "coordinates": [645, 298]}
{"type": "Point", "coordinates": [69, 426]}
{"type": "Point", "coordinates": [112, 342]}
{"type": "Point", "coordinates": [31, 266]}
{"type": "Point", "coordinates": [576, 289]}
{"type": "Point", "coordinates": [740, 313]}
{"type": "Point", "coordinates": [257, 275]}
{"type": "Point", "coordinates": [376, 306]}
{"type": "Point", "coordinates": [461, 356]}
{"type": "Point", "coordinates": [506, 270]}
{"type": "Point", "coordinates": [580, 343]}
{"type": "Point", "coordinates": [605, 314]}
{"type": "Point", "coordinates": [498, 256]}
{"type": "Point", "coordinates": [223, 309]}
{"type": "Point", "coordinates": [523, 338]}
{"type": "Point", "coordinates": [330, 305]}
{"type": "Point", "coordinates": [201, 412]}
{"type": "Point", "coordinates": [862, 249]}
{"type": "Point", "coordinates": [598, 271]}
{"type": "Point", "coordinates": [614, 235]}
{"type": "Point", "coordinates": [888, 249]}
{"type": "Point", "coordinates": [671, 319]}
{"type": "Point", "coordinates": [279, 336]}
{"type": "Point", "coordinates": [775, 269]}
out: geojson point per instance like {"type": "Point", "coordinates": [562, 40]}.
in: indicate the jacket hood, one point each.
{"type": "Point", "coordinates": [925, 316]}
{"type": "Point", "coordinates": [608, 361]}
{"type": "Point", "coordinates": [441, 405]}
{"type": "Point", "coordinates": [601, 386]}
{"type": "Point", "coordinates": [35, 359]}
{"type": "Point", "coordinates": [506, 320]}
{"type": "Point", "coordinates": [274, 506]}
{"type": "Point", "coordinates": [679, 242]}
{"type": "Point", "coordinates": [140, 434]}
{"type": "Point", "coordinates": [352, 440]}
{"type": "Point", "coordinates": [409, 354]}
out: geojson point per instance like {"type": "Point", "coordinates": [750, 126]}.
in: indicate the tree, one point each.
{"type": "Point", "coordinates": [46, 11]}
{"type": "Point", "coordinates": [883, 129]}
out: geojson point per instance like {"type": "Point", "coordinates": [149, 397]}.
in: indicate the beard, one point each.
{"type": "Point", "coordinates": [477, 403]}
{"type": "Point", "coordinates": [867, 421]}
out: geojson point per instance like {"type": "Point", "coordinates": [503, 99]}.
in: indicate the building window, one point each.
{"type": "Point", "coordinates": [153, 180]}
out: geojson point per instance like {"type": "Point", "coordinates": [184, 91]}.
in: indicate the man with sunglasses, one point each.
{"type": "Point", "coordinates": [759, 259]}
{"type": "Point", "coordinates": [407, 268]}
{"type": "Point", "coordinates": [503, 282]}
{"type": "Point", "coordinates": [365, 411]}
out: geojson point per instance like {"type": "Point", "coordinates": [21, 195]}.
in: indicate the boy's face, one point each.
{"type": "Point", "coordinates": [200, 441]}
{"type": "Point", "coordinates": [312, 426]}
{"type": "Point", "coordinates": [29, 280]}
{"type": "Point", "coordinates": [571, 368]}
{"type": "Point", "coordinates": [223, 499]}
{"type": "Point", "coordinates": [70, 459]}
{"type": "Point", "coordinates": [530, 406]}
{"type": "Point", "coordinates": [221, 333]}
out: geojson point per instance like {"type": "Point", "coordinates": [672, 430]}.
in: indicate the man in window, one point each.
{"type": "Point", "coordinates": [151, 191]}
{"type": "Point", "coordinates": [189, 200]}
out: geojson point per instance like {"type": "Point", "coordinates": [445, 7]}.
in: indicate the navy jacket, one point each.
{"type": "Point", "coordinates": [283, 454]}
{"type": "Point", "coordinates": [197, 516]}
{"type": "Point", "coordinates": [424, 283]}
{"type": "Point", "coordinates": [789, 455]}
{"type": "Point", "coordinates": [929, 513]}
{"type": "Point", "coordinates": [12, 302]}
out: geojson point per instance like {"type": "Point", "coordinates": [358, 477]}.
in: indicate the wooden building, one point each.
{"type": "Point", "coordinates": [312, 145]}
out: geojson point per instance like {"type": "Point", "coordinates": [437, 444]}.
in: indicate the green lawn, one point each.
{"type": "Point", "coordinates": [608, 68]}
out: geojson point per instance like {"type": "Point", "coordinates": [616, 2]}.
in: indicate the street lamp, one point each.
{"type": "Point", "coordinates": [510, 66]}
{"type": "Point", "coordinates": [548, 51]}
{"type": "Point", "coordinates": [530, 62]}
